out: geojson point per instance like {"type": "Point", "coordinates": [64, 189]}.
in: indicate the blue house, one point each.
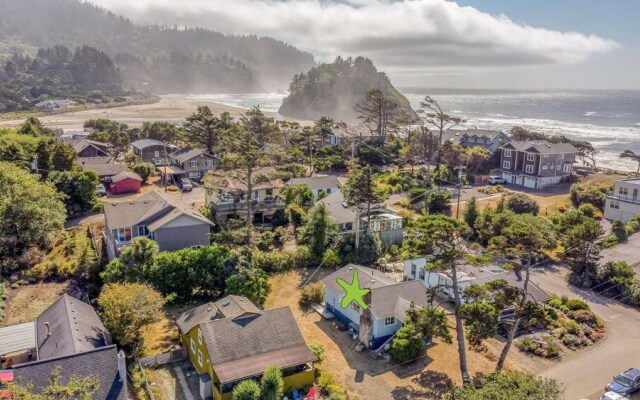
{"type": "Point", "coordinates": [387, 302]}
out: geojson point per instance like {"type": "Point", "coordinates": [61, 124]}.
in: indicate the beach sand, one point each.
{"type": "Point", "coordinates": [173, 108]}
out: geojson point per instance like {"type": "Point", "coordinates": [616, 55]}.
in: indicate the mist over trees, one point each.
{"type": "Point", "coordinates": [335, 89]}
{"type": "Point", "coordinates": [196, 59]}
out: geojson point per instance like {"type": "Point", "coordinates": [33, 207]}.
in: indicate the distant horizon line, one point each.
{"type": "Point", "coordinates": [417, 89]}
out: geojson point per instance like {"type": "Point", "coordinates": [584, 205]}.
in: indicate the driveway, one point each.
{"type": "Point", "coordinates": [629, 252]}
{"type": "Point", "coordinates": [73, 222]}
{"type": "Point", "coordinates": [585, 373]}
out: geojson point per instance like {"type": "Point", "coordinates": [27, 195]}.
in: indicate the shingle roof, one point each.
{"type": "Point", "coordinates": [352, 131]}
{"type": "Point", "coordinates": [73, 327]}
{"type": "Point", "coordinates": [17, 338]}
{"type": "Point", "coordinates": [110, 169]}
{"type": "Point", "coordinates": [230, 184]}
{"type": "Point", "coordinates": [234, 306]}
{"type": "Point", "coordinates": [125, 175]}
{"type": "Point", "coordinates": [195, 316]}
{"type": "Point", "coordinates": [317, 182]}
{"type": "Point", "coordinates": [340, 213]}
{"type": "Point", "coordinates": [144, 143]}
{"type": "Point", "coordinates": [101, 363]}
{"type": "Point", "coordinates": [541, 146]}
{"type": "Point", "coordinates": [84, 143]}
{"type": "Point", "coordinates": [186, 154]}
{"type": "Point", "coordinates": [153, 209]}
{"type": "Point", "coordinates": [244, 347]}
{"type": "Point", "coordinates": [87, 161]}
{"type": "Point", "coordinates": [369, 277]}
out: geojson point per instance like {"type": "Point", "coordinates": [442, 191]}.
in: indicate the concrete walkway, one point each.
{"type": "Point", "coordinates": [629, 252]}
{"type": "Point", "coordinates": [183, 383]}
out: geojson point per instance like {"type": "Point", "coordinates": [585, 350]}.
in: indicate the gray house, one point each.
{"type": "Point", "coordinates": [387, 301]}
{"type": "Point", "coordinates": [385, 222]}
{"type": "Point", "coordinates": [488, 139]}
{"type": "Point", "coordinates": [320, 185]}
{"type": "Point", "coordinates": [194, 162]}
{"type": "Point", "coordinates": [151, 149]}
{"type": "Point", "coordinates": [156, 215]}
{"type": "Point", "coordinates": [538, 163]}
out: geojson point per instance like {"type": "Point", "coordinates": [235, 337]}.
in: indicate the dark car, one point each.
{"type": "Point", "coordinates": [626, 383]}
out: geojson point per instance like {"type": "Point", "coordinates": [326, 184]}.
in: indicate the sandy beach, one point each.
{"type": "Point", "coordinates": [173, 107]}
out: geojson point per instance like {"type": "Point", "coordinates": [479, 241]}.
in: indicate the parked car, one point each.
{"type": "Point", "coordinates": [613, 396]}
{"type": "Point", "coordinates": [185, 185]}
{"type": "Point", "coordinates": [101, 190]}
{"type": "Point", "coordinates": [626, 383]}
{"type": "Point", "coordinates": [496, 180]}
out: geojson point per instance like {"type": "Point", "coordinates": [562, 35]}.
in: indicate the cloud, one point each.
{"type": "Point", "coordinates": [401, 35]}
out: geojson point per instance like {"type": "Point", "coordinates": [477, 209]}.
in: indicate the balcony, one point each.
{"type": "Point", "coordinates": [264, 205]}
{"type": "Point", "coordinates": [623, 197]}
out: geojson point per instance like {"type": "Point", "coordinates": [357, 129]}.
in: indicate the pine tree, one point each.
{"type": "Point", "coordinates": [361, 191]}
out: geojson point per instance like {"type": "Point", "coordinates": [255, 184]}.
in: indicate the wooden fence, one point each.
{"type": "Point", "coordinates": [164, 358]}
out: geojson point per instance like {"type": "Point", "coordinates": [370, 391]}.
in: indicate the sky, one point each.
{"type": "Point", "coordinates": [470, 44]}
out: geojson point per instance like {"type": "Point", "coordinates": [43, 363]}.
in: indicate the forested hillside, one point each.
{"type": "Point", "coordinates": [196, 60]}
{"type": "Point", "coordinates": [334, 90]}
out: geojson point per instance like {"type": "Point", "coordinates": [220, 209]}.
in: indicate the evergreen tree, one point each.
{"type": "Point", "coordinates": [271, 385]}
{"type": "Point", "coordinates": [471, 212]}
{"type": "Point", "coordinates": [250, 282]}
{"type": "Point", "coordinates": [246, 390]}
{"type": "Point", "coordinates": [361, 191]}
{"type": "Point", "coordinates": [204, 129]}
{"type": "Point", "coordinates": [317, 230]}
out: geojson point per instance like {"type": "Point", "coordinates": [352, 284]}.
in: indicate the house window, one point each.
{"type": "Point", "coordinates": [413, 269]}
{"type": "Point", "coordinates": [507, 153]}
{"type": "Point", "coordinates": [530, 157]}
{"type": "Point", "coordinates": [193, 346]}
{"type": "Point", "coordinates": [389, 321]}
{"type": "Point", "coordinates": [442, 281]}
{"type": "Point", "coordinates": [567, 168]}
{"type": "Point", "coordinates": [200, 358]}
{"type": "Point", "coordinates": [138, 231]}
{"type": "Point", "coordinates": [156, 154]}
{"type": "Point", "coordinates": [355, 306]}
{"type": "Point", "coordinates": [561, 156]}
{"type": "Point", "coordinates": [124, 234]}
{"type": "Point", "coordinates": [329, 191]}
{"type": "Point", "coordinates": [199, 336]}
{"type": "Point", "coordinates": [348, 226]}
{"type": "Point", "coordinates": [194, 175]}
{"type": "Point", "coordinates": [623, 191]}
{"type": "Point", "coordinates": [256, 195]}
{"type": "Point", "coordinates": [559, 167]}
{"type": "Point", "coordinates": [529, 169]}
{"type": "Point", "coordinates": [506, 165]}
{"type": "Point", "coordinates": [209, 163]}
{"type": "Point", "coordinates": [615, 204]}
{"type": "Point", "coordinates": [269, 192]}
{"type": "Point", "coordinates": [544, 167]}
{"type": "Point", "coordinates": [421, 274]}
{"type": "Point", "coordinates": [193, 163]}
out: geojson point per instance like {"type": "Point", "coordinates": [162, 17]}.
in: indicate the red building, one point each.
{"type": "Point", "coordinates": [125, 182]}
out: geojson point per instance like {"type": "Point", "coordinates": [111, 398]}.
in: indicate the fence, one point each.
{"type": "Point", "coordinates": [164, 358]}
{"type": "Point", "coordinates": [147, 386]}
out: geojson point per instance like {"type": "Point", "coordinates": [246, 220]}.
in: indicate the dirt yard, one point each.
{"type": "Point", "coordinates": [366, 378]}
{"type": "Point", "coordinates": [25, 303]}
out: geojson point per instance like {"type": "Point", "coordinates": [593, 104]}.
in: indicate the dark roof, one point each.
{"type": "Point", "coordinates": [125, 175]}
{"type": "Point", "coordinates": [340, 213]}
{"type": "Point", "coordinates": [101, 363]}
{"type": "Point", "coordinates": [144, 143]}
{"type": "Point", "coordinates": [78, 146]}
{"type": "Point", "coordinates": [540, 146]}
{"type": "Point", "coordinates": [87, 161]}
{"type": "Point", "coordinates": [17, 337]}
{"type": "Point", "coordinates": [535, 292]}
{"type": "Point", "coordinates": [243, 347]}
{"type": "Point", "coordinates": [73, 327]}
{"type": "Point", "coordinates": [186, 154]}
{"type": "Point", "coordinates": [110, 169]}
{"type": "Point", "coordinates": [317, 182]}
{"type": "Point", "coordinates": [235, 306]}
{"type": "Point", "coordinates": [195, 316]}
{"type": "Point", "coordinates": [153, 209]}
{"type": "Point", "coordinates": [388, 297]}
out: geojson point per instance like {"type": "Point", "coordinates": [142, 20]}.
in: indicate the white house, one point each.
{"type": "Point", "coordinates": [624, 202]}
{"type": "Point", "coordinates": [416, 270]}
{"type": "Point", "coordinates": [320, 185]}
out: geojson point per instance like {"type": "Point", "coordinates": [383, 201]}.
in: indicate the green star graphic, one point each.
{"type": "Point", "coordinates": [354, 292]}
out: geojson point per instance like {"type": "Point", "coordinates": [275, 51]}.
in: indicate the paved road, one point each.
{"type": "Point", "coordinates": [629, 252]}
{"type": "Point", "coordinates": [584, 374]}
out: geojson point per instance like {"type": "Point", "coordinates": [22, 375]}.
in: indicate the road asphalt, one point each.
{"type": "Point", "coordinates": [586, 372]}
{"type": "Point", "coordinates": [629, 252]}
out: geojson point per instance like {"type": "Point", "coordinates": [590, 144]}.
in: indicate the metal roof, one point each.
{"type": "Point", "coordinates": [17, 337]}
{"type": "Point", "coordinates": [144, 143]}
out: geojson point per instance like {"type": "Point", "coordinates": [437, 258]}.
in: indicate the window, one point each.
{"type": "Point", "coordinates": [561, 156]}
{"type": "Point", "coordinates": [413, 269]}
{"type": "Point", "coordinates": [193, 346]}
{"type": "Point", "coordinates": [442, 281]}
{"type": "Point", "coordinates": [156, 154]}
{"type": "Point", "coordinates": [193, 163]}
{"type": "Point", "coordinates": [623, 191]}
{"type": "Point", "coordinates": [329, 191]}
{"type": "Point", "coordinates": [615, 204]}
{"type": "Point", "coordinates": [421, 274]}
{"type": "Point", "coordinates": [544, 167]}
{"type": "Point", "coordinates": [200, 358]}
{"type": "Point", "coordinates": [355, 306]}
{"type": "Point", "coordinates": [269, 192]}
{"type": "Point", "coordinates": [530, 157]}
{"type": "Point", "coordinates": [559, 167]}
{"type": "Point", "coordinates": [529, 169]}
{"type": "Point", "coordinates": [507, 153]}
{"type": "Point", "coordinates": [199, 336]}
{"type": "Point", "coordinates": [124, 234]}
{"type": "Point", "coordinates": [389, 321]}
{"type": "Point", "coordinates": [567, 168]}
{"type": "Point", "coordinates": [256, 195]}
{"type": "Point", "coordinates": [506, 165]}
{"type": "Point", "coordinates": [209, 163]}
{"type": "Point", "coordinates": [194, 175]}
{"type": "Point", "coordinates": [348, 226]}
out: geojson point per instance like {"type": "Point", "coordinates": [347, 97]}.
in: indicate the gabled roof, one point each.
{"type": "Point", "coordinates": [352, 131]}
{"type": "Point", "coordinates": [540, 146]}
{"type": "Point", "coordinates": [17, 337]}
{"type": "Point", "coordinates": [154, 209]}
{"type": "Point", "coordinates": [144, 143]}
{"type": "Point", "coordinates": [229, 184]}
{"type": "Point", "coordinates": [339, 211]}
{"type": "Point", "coordinates": [235, 306]}
{"type": "Point", "coordinates": [126, 175]}
{"type": "Point", "coordinates": [84, 143]}
{"type": "Point", "coordinates": [243, 347]}
{"type": "Point", "coordinates": [186, 154]}
{"type": "Point", "coordinates": [110, 169]}
{"type": "Point", "coordinates": [231, 306]}
{"type": "Point", "coordinates": [316, 182]}
{"type": "Point", "coordinates": [69, 326]}
{"type": "Point", "coordinates": [101, 160]}
{"type": "Point", "coordinates": [101, 363]}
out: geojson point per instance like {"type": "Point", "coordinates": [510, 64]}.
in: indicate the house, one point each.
{"type": "Point", "coordinates": [172, 223]}
{"type": "Point", "coordinates": [387, 303]}
{"type": "Point", "coordinates": [320, 185]}
{"type": "Point", "coordinates": [537, 164]}
{"type": "Point", "coordinates": [347, 134]}
{"type": "Point", "coordinates": [194, 162]}
{"type": "Point", "coordinates": [125, 182]}
{"type": "Point", "coordinates": [52, 105]}
{"type": "Point", "coordinates": [624, 202]}
{"type": "Point", "coordinates": [68, 335]}
{"type": "Point", "coordinates": [416, 270]}
{"type": "Point", "coordinates": [150, 149]}
{"type": "Point", "coordinates": [385, 222]}
{"type": "Point", "coordinates": [105, 167]}
{"type": "Point", "coordinates": [231, 340]}
{"type": "Point", "coordinates": [488, 139]}
{"type": "Point", "coordinates": [89, 148]}
{"type": "Point", "coordinates": [227, 196]}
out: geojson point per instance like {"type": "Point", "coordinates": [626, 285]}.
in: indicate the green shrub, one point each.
{"type": "Point", "coordinates": [610, 241]}
{"type": "Point", "coordinates": [520, 203]}
{"type": "Point", "coordinates": [573, 328]}
{"type": "Point", "coordinates": [555, 303]}
{"type": "Point", "coordinates": [589, 210]}
{"type": "Point", "coordinates": [328, 385]}
{"type": "Point", "coordinates": [577, 304]}
{"type": "Point", "coordinates": [619, 229]}
{"type": "Point", "coordinates": [571, 340]}
{"type": "Point", "coordinates": [312, 293]}
{"type": "Point", "coordinates": [585, 317]}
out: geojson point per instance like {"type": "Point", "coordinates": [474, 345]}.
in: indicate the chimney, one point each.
{"type": "Point", "coordinates": [122, 371]}
{"type": "Point", "coordinates": [46, 325]}
{"type": "Point", "coordinates": [366, 333]}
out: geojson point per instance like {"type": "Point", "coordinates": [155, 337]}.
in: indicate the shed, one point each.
{"type": "Point", "coordinates": [17, 344]}
{"type": "Point", "coordinates": [125, 182]}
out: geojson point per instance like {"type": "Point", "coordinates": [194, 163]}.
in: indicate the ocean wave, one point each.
{"type": "Point", "coordinates": [590, 113]}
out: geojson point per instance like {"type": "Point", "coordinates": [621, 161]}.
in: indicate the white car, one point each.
{"type": "Point", "coordinates": [613, 396]}
{"type": "Point", "coordinates": [497, 180]}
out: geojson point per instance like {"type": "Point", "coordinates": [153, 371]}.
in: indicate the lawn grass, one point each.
{"type": "Point", "coordinates": [26, 302]}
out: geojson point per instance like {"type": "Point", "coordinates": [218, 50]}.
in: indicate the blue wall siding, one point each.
{"type": "Point", "coordinates": [331, 298]}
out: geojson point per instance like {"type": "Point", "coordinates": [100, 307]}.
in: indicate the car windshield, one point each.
{"type": "Point", "coordinates": [623, 380]}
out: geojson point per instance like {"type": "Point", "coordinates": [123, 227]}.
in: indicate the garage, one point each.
{"type": "Point", "coordinates": [529, 182]}
{"type": "Point", "coordinates": [125, 182]}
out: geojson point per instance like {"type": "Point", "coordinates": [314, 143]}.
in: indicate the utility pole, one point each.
{"type": "Point", "coordinates": [353, 149]}
{"type": "Point", "coordinates": [460, 168]}
{"type": "Point", "coordinates": [357, 227]}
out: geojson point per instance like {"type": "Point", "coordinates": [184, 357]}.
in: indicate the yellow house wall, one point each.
{"type": "Point", "coordinates": [297, 381]}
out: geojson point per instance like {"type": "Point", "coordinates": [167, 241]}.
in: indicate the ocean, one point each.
{"type": "Point", "coordinates": [608, 119]}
